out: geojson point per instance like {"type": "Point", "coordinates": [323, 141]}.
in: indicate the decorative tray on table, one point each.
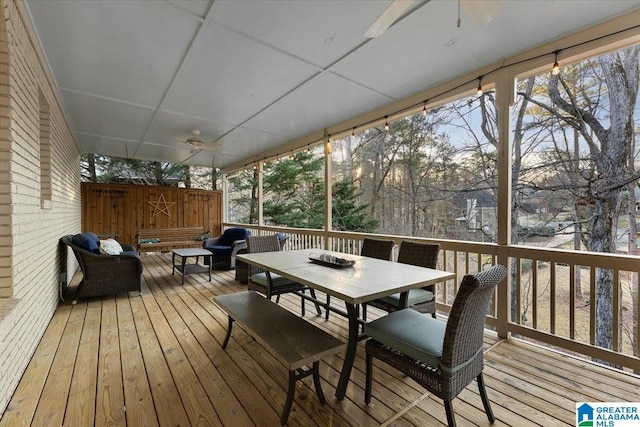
{"type": "Point", "coordinates": [331, 261]}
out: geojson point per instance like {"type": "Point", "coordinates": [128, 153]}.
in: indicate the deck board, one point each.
{"type": "Point", "coordinates": [156, 359]}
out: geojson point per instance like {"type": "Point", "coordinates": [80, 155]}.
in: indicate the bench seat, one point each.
{"type": "Point", "coordinates": [292, 340]}
{"type": "Point", "coordinates": [169, 238]}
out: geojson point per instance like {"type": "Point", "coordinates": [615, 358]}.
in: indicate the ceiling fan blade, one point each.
{"type": "Point", "coordinates": [481, 11]}
{"type": "Point", "coordinates": [387, 18]}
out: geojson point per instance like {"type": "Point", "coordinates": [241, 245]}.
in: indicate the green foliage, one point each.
{"type": "Point", "coordinates": [294, 196]}
{"type": "Point", "coordinates": [294, 191]}
{"type": "Point", "coordinates": [347, 214]}
{"type": "Point", "coordinates": [107, 169]}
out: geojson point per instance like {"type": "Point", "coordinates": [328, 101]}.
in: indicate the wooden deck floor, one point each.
{"type": "Point", "coordinates": [157, 360]}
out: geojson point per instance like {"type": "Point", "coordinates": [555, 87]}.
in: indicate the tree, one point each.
{"type": "Point", "coordinates": [603, 118]}
{"type": "Point", "coordinates": [347, 213]}
{"type": "Point", "coordinates": [294, 191]}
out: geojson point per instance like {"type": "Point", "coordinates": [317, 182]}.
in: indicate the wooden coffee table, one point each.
{"type": "Point", "coordinates": [185, 268]}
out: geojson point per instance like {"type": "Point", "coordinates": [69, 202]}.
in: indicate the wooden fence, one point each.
{"type": "Point", "coordinates": [123, 209]}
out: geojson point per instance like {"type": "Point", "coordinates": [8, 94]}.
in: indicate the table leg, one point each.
{"type": "Point", "coordinates": [350, 356]}
{"type": "Point", "coordinates": [173, 263]}
{"type": "Point", "coordinates": [184, 269]}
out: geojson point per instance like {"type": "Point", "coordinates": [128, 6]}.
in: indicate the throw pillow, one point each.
{"type": "Point", "coordinates": [87, 241]}
{"type": "Point", "coordinates": [110, 247]}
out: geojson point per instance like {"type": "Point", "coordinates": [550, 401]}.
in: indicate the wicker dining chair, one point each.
{"type": "Point", "coordinates": [422, 299]}
{"type": "Point", "coordinates": [271, 284]}
{"type": "Point", "coordinates": [372, 248]}
{"type": "Point", "coordinates": [443, 357]}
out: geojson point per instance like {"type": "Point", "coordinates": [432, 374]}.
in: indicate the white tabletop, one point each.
{"type": "Point", "coordinates": [187, 252]}
{"type": "Point", "coordinates": [367, 280]}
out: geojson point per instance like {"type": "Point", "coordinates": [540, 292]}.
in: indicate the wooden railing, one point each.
{"type": "Point", "coordinates": [553, 302]}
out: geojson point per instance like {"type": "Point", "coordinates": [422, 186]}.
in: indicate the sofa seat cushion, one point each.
{"type": "Point", "coordinates": [220, 249]}
{"type": "Point", "coordinates": [413, 334]}
{"type": "Point", "coordinates": [416, 296]}
{"type": "Point", "coordinates": [130, 253]}
{"type": "Point", "coordinates": [87, 241]}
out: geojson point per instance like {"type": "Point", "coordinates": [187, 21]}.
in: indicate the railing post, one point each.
{"type": "Point", "coordinates": [328, 207]}
{"type": "Point", "coordinates": [505, 98]}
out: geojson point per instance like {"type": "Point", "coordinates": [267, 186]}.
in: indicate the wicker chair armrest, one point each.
{"type": "Point", "coordinates": [237, 246]}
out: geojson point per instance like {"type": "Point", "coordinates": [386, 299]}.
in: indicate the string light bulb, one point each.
{"type": "Point", "coordinates": [556, 67]}
{"type": "Point", "coordinates": [424, 109]}
{"type": "Point", "coordinates": [479, 91]}
{"type": "Point", "coordinates": [353, 134]}
{"type": "Point", "coordinates": [327, 145]}
{"type": "Point", "coordinates": [386, 124]}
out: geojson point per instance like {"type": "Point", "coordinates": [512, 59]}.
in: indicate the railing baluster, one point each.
{"type": "Point", "coordinates": [616, 310]}
{"type": "Point", "coordinates": [592, 306]}
{"type": "Point", "coordinates": [552, 298]}
{"type": "Point", "coordinates": [534, 292]}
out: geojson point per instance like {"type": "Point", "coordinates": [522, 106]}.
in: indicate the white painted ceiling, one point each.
{"type": "Point", "coordinates": [136, 76]}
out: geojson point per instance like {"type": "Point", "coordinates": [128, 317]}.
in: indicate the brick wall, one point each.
{"type": "Point", "coordinates": [30, 227]}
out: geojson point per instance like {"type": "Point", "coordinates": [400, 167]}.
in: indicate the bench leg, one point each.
{"type": "Point", "coordinates": [313, 295]}
{"type": "Point", "coordinates": [292, 389]}
{"type": "Point", "coordinates": [316, 382]}
{"type": "Point", "coordinates": [226, 338]}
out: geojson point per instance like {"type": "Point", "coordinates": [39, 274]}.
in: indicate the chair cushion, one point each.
{"type": "Point", "coordinates": [87, 241]}
{"type": "Point", "coordinates": [220, 249]}
{"type": "Point", "coordinates": [416, 296]}
{"type": "Point", "coordinates": [411, 333]}
{"type": "Point", "coordinates": [130, 253]}
{"type": "Point", "coordinates": [276, 280]}
{"type": "Point", "coordinates": [230, 235]}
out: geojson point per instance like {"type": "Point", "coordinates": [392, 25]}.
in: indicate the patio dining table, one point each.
{"type": "Point", "coordinates": [368, 279]}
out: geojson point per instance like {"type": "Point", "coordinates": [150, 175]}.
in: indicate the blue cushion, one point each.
{"type": "Point", "coordinates": [230, 235]}
{"type": "Point", "coordinates": [130, 253]}
{"type": "Point", "coordinates": [416, 296]}
{"type": "Point", "coordinates": [411, 333]}
{"type": "Point", "coordinates": [220, 249]}
{"type": "Point", "coordinates": [87, 241]}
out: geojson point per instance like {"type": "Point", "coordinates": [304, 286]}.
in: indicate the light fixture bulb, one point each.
{"type": "Point", "coordinates": [479, 91]}
{"type": "Point", "coordinates": [424, 110]}
{"type": "Point", "coordinates": [386, 123]}
{"type": "Point", "coordinates": [327, 145]}
{"type": "Point", "coordinates": [353, 134]}
{"type": "Point", "coordinates": [556, 68]}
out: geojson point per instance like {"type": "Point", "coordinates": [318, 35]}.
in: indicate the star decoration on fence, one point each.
{"type": "Point", "coordinates": [161, 206]}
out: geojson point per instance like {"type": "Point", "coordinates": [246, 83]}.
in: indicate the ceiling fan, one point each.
{"type": "Point", "coordinates": [482, 11]}
{"type": "Point", "coordinates": [198, 144]}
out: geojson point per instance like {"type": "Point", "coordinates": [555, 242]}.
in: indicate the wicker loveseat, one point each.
{"type": "Point", "coordinates": [104, 274]}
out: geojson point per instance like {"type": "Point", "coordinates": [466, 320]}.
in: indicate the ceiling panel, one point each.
{"type": "Point", "coordinates": [111, 119]}
{"type": "Point", "coordinates": [106, 146]}
{"type": "Point", "coordinates": [230, 77]}
{"type": "Point", "coordinates": [126, 50]}
{"type": "Point", "coordinates": [245, 142]}
{"type": "Point", "coordinates": [320, 32]}
{"type": "Point", "coordinates": [316, 105]}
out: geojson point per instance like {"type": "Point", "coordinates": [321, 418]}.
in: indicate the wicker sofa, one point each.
{"type": "Point", "coordinates": [104, 274]}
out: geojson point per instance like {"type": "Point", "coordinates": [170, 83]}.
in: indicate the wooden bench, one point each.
{"type": "Point", "coordinates": [291, 339]}
{"type": "Point", "coordinates": [168, 238]}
